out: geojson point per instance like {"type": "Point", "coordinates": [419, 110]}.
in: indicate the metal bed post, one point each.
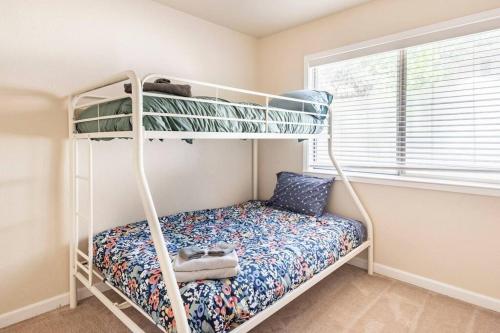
{"type": "Point", "coordinates": [90, 221]}
{"type": "Point", "coordinates": [255, 169]}
{"type": "Point", "coordinates": [352, 193]}
{"type": "Point", "coordinates": [73, 240]}
{"type": "Point", "coordinates": [149, 208]}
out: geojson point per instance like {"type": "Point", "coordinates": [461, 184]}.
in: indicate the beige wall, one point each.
{"type": "Point", "coordinates": [445, 236]}
{"type": "Point", "coordinates": [48, 49]}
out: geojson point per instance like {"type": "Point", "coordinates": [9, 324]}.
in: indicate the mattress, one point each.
{"type": "Point", "coordinates": [278, 251]}
{"type": "Point", "coordinates": [186, 107]}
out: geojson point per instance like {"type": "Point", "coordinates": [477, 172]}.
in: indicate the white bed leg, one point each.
{"type": "Point", "coordinates": [370, 260]}
{"type": "Point", "coordinates": [72, 291]}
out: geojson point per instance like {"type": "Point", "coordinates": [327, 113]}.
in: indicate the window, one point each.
{"type": "Point", "coordinates": [427, 111]}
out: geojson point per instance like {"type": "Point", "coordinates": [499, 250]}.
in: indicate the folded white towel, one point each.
{"type": "Point", "coordinates": [207, 274]}
{"type": "Point", "coordinates": [206, 263]}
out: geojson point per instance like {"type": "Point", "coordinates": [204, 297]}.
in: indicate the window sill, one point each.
{"type": "Point", "coordinates": [419, 183]}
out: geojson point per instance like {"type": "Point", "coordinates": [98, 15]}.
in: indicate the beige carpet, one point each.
{"type": "Point", "coordinates": [347, 301]}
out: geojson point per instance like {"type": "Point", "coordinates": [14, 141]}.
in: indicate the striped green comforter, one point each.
{"type": "Point", "coordinates": [183, 107]}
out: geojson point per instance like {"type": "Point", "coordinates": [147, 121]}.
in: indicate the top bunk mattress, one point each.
{"type": "Point", "coordinates": [309, 123]}
{"type": "Point", "coordinates": [278, 251]}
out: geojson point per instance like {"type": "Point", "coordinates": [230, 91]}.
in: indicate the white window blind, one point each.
{"type": "Point", "coordinates": [429, 111]}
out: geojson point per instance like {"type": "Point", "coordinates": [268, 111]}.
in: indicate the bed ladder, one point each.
{"type": "Point", "coordinates": [78, 215]}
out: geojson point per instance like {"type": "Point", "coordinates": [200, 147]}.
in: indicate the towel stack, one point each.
{"type": "Point", "coordinates": [197, 263]}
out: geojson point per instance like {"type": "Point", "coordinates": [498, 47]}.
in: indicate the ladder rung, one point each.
{"type": "Point", "coordinates": [79, 177]}
{"type": "Point", "coordinates": [82, 254]}
{"type": "Point", "coordinates": [84, 268]}
{"type": "Point", "coordinates": [123, 305]}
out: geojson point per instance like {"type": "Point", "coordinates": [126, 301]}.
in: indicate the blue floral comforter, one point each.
{"type": "Point", "coordinates": [278, 250]}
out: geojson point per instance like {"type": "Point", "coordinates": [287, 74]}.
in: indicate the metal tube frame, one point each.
{"type": "Point", "coordinates": [139, 136]}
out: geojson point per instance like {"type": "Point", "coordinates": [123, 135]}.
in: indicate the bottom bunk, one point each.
{"type": "Point", "coordinates": [278, 252]}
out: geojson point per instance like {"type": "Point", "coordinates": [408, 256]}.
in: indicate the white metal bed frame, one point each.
{"type": "Point", "coordinates": [81, 267]}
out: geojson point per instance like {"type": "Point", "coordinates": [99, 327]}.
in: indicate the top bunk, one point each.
{"type": "Point", "coordinates": [164, 107]}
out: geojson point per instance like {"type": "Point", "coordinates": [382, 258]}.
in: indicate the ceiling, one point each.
{"type": "Point", "coordinates": [260, 18]}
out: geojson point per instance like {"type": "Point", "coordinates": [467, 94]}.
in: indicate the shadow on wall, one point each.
{"type": "Point", "coordinates": [33, 129]}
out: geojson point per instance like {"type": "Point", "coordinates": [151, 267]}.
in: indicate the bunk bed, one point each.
{"type": "Point", "coordinates": [282, 253]}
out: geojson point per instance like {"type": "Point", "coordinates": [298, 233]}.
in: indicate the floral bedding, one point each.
{"type": "Point", "coordinates": [278, 250]}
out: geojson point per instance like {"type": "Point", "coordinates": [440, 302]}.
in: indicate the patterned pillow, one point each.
{"type": "Point", "coordinates": [301, 194]}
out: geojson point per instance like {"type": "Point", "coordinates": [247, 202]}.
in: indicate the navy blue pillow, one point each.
{"type": "Point", "coordinates": [301, 194]}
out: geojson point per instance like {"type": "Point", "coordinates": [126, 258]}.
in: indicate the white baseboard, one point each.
{"type": "Point", "coordinates": [433, 285]}
{"type": "Point", "coordinates": [468, 296]}
{"type": "Point", "coordinates": [46, 305]}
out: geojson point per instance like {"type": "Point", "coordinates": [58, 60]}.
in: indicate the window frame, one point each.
{"type": "Point", "coordinates": [483, 21]}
